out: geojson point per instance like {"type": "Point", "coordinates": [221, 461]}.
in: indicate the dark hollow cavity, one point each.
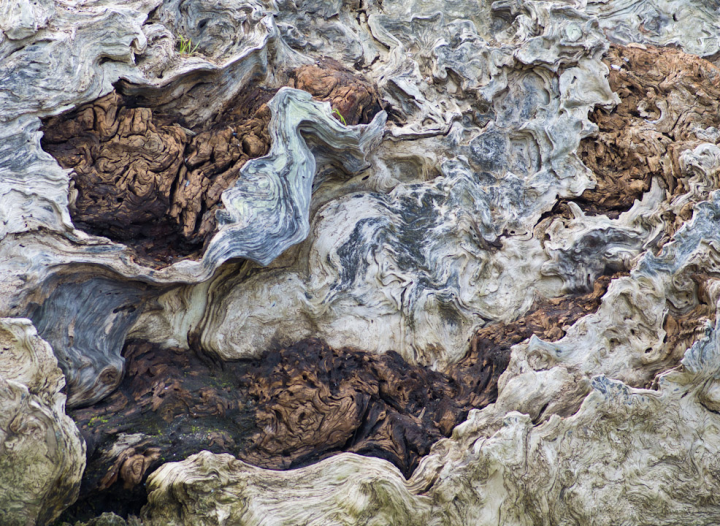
{"type": "Point", "coordinates": [291, 407]}
{"type": "Point", "coordinates": [140, 177]}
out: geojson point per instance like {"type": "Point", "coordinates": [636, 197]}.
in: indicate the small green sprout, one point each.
{"type": "Point", "coordinates": [185, 46]}
{"type": "Point", "coordinates": [339, 115]}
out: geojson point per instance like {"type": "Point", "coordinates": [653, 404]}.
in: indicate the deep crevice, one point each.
{"type": "Point", "coordinates": [293, 406]}
{"type": "Point", "coordinates": [142, 178]}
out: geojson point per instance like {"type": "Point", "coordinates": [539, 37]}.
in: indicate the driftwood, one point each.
{"type": "Point", "coordinates": [334, 262]}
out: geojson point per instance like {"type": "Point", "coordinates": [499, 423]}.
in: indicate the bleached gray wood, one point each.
{"type": "Point", "coordinates": [432, 229]}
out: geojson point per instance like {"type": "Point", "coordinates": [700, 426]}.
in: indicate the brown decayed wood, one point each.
{"type": "Point", "coordinates": [144, 180]}
{"type": "Point", "coordinates": [354, 98]}
{"type": "Point", "coordinates": [151, 185]}
{"type": "Point", "coordinates": [292, 406]}
{"type": "Point", "coordinates": [668, 99]}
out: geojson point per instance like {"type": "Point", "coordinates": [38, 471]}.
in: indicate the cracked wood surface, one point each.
{"type": "Point", "coordinates": [482, 258]}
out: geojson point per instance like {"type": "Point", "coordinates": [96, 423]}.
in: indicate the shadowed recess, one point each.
{"type": "Point", "coordinates": [293, 406]}
{"type": "Point", "coordinates": [154, 186]}
{"type": "Point", "coordinates": [142, 178]}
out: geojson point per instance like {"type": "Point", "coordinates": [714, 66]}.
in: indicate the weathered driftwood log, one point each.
{"type": "Point", "coordinates": [531, 151]}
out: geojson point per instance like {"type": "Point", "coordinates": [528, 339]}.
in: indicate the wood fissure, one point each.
{"type": "Point", "coordinates": [293, 406]}
{"type": "Point", "coordinates": [145, 180]}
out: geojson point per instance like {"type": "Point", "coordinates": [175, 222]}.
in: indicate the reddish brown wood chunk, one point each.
{"type": "Point", "coordinates": [670, 101]}
{"type": "Point", "coordinates": [354, 98]}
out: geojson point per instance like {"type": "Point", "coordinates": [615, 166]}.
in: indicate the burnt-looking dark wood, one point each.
{"type": "Point", "coordinates": [292, 406]}
{"type": "Point", "coordinates": [142, 178]}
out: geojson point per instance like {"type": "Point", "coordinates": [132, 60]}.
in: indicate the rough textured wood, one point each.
{"type": "Point", "coordinates": [42, 455]}
{"type": "Point", "coordinates": [291, 407]}
{"type": "Point", "coordinates": [152, 186]}
{"type": "Point", "coordinates": [564, 413]}
{"type": "Point", "coordinates": [147, 181]}
{"type": "Point", "coordinates": [356, 100]}
{"type": "Point", "coordinates": [264, 212]}
{"type": "Point", "coordinates": [669, 103]}
{"type": "Point", "coordinates": [459, 228]}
